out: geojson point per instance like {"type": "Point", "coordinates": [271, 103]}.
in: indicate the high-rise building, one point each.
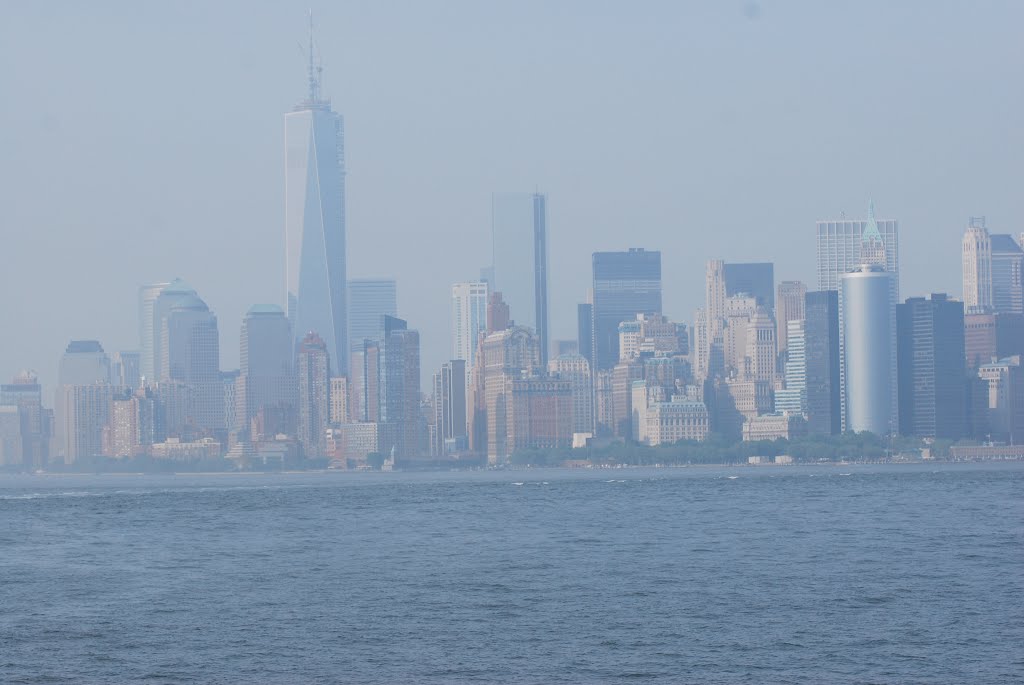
{"type": "Point", "coordinates": [190, 354]}
{"type": "Point", "coordinates": [585, 331]}
{"type": "Point", "coordinates": [314, 388]}
{"type": "Point", "coordinates": [148, 295]}
{"type": "Point", "coordinates": [85, 413]}
{"type": "Point", "coordinates": [400, 390]}
{"type": "Point", "coordinates": [625, 284]}
{"type": "Point", "coordinates": [339, 394]}
{"type": "Point", "coordinates": [25, 393]}
{"type": "Point", "coordinates": [754, 279]}
{"type": "Point", "coordinates": [520, 259]}
{"type": "Point", "coordinates": [576, 369]}
{"type": "Point", "coordinates": [821, 351]}
{"type": "Point", "coordinates": [369, 301]}
{"type": "Point", "coordinates": [793, 398]}
{"type": "Point", "coordinates": [1007, 267]}
{"type": "Point", "coordinates": [129, 431]}
{"type": "Point", "coordinates": [539, 414]}
{"type": "Point", "coordinates": [469, 319]}
{"type": "Point", "coordinates": [450, 408]}
{"type": "Point", "coordinates": [267, 370]}
{"type": "Point", "coordinates": [505, 356]}
{"type": "Point", "coordinates": [844, 245]}
{"type": "Point", "coordinates": [932, 368]}
{"type": "Point", "coordinates": [84, 365]}
{"type": "Point", "coordinates": [315, 220]}
{"type": "Point", "coordinates": [869, 351]}
{"type": "Point", "coordinates": [10, 436]}
{"type": "Point", "coordinates": [977, 266]}
{"type": "Point", "coordinates": [498, 314]}
{"type": "Point", "coordinates": [789, 306]}
{"type": "Point", "coordinates": [175, 293]}
{"type": "Point", "coordinates": [1005, 415]}
{"type": "Point", "coordinates": [124, 369]}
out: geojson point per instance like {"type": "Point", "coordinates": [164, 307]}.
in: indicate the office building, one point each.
{"type": "Point", "coordinates": [789, 306]}
{"type": "Point", "coordinates": [755, 279]}
{"type": "Point", "coordinates": [35, 422]}
{"type": "Point", "coordinates": [124, 369]}
{"type": "Point", "coordinates": [932, 368]}
{"type": "Point", "coordinates": [505, 356]}
{"type": "Point", "coordinates": [576, 369]}
{"type": "Point", "coordinates": [585, 331]}
{"type": "Point", "coordinates": [625, 284]}
{"type": "Point", "coordinates": [369, 301]}
{"type": "Point", "coordinates": [10, 436]}
{"type": "Point", "coordinates": [469, 319]}
{"type": "Point", "coordinates": [176, 293]}
{"type": "Point", "coordinates": [821, 351]}
{"type": "Point", "coordinates": [977, 267]}
{"type": "Point", "coordinates": [315, 221]}
{"type": "Point", "coordinates": [675, 420]}
{"type": "Point", "coordinates": [793, 398]}
{"type": "Point", "coordinates": [190, 354]}
{"type": "Point", "coordinates": [539, 414]}
{"type": "Point", "coordinates": [84, 364]}
{"type": "Point", "coordinates": [314, 388]}
{"type": "Point", "coordinates": [148, 342]}
{"type": "Point", "coordinates": [498, 314]}
{"type": "Point", "coordinates": [1007, 267]}
{"type": "Point", "coordinates": [267, 369]}
{"type": "Point", "coordinates": [85, 413]}
{"type": "Point", "coordinates": [399, 391]}
{"type": "Point", "coordinates": [844, 245]}
{"type": "Point", "coordinates": [520, 259]}
{"type": "Point", "coordinates": [339, 397]}
{"type": "Point", "coordinates": [449, 404]}
{"type": "Point", "coordinates": [869, 351]}
{"type": "Point", "coordinates": [1005, 385]}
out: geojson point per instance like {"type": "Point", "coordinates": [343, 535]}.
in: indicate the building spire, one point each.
{"type": "Point", "coordinates": [871, 228]}
{"type": "Point", "coordinates": [314, 68]}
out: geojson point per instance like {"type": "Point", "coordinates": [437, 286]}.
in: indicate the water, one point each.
{"type": "Point", "coordinates": [880, 574]}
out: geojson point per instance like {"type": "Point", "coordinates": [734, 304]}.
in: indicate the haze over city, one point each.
{"type": "Point", "coordinates": [145, 143]}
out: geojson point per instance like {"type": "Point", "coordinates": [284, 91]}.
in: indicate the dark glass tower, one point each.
{"type": "Point", "coordinates": [821, 349]}
{"type": "Point", "coordinates": [625, 284]}
{"type": "Point", "coordinates": [932, 367]}
{"type": "Point", "coordinates": [757, 279]}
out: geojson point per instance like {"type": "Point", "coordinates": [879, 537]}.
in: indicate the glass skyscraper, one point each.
{"type": "Point", "coordinates": [625, 284]}
{"type": "Point", "coordinates": [520, 259]}
{"type": "Point", "coordinates": [315, 221]}
{"type": "Point", "coordinates": [369, 301]}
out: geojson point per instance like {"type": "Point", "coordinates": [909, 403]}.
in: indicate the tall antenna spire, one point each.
{"type": "Point", "coordinates": [314, 72]}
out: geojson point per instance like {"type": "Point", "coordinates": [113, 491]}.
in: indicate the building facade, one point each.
{"type": "Point", "coordinates": [315, 263]}
{"type": "Point", "coordinates": [625, 284]}
{"type": "Point", "coordinates": [369, 301]}
{"type": "Point", "coordinates": [469, 319]}
{"type": "Point", "coordinates": [314, 388]}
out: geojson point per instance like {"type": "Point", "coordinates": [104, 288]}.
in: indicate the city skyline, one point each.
{"type": "Point", "coordinates": [582, 213]}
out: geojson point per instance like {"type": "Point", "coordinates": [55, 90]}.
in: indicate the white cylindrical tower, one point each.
{"type": "Point", "coordinates": [869, 349]}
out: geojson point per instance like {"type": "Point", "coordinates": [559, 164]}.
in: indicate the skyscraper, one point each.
{"type": "Point", "coordinates": [844, 244]}
{"type": "Point", "coordinates": [821, 352]}
{"type": "Point", "coordinates": [1007, 277]}
{"type": "Point", "coordinates": [400, 390]}
{"type": "Point", "coordinates": [315, 220]}
{"type": "Point", "coordinates": [148, 295]}
{"type": "Point", "coordinates": [267, 376]}
{"type": "Point", "coordinates": [79, 409]}
{"type": "Point", "coordinates": [585, 331]}
{"type": "Point", "coordinates": [369, 301]}
{"type": "Point", "coordinates": [793, 398]}
{"type": "Point", "coordinates": [469, 319]}
{"type": "Point", "coordinates": [171, 295]}
{"type": "Point", "coordinates": [932, 367]}
{"type": "Point", "coordinates": [869, 351]}
{"type": "Point", "coordinates": [625, 284]}
{"type": "Point", "coordinates": [977, 266]}
{"type": "Point", "coordinates": [520, 259]}
{"type": "Point", "coordinates": [576, 369]}
{"type": "Point", "coordinates": [450, 408]}
{"type": "Point", "coordinates": [25, 393]}
{"type": "Point", "coordinates": [190, 351]}
{"type": "Point", "coordinates": [314, 371]}
{"type": "Point", "coordinates": [755, 279]}
{"type": "Point", "coordinates": [789, 306]}
{"type": "Point", "coordinates": [124, 369]}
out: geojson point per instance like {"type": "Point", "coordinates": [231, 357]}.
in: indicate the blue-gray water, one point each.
{"type": "Point", "coordinates": [851, 574]}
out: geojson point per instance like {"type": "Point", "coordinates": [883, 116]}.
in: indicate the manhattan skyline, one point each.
{"type": "Point", "coordinates": [193, 189]}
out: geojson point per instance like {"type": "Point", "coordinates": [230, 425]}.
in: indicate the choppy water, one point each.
{"type": "Point", "coordinates": [910, 574]}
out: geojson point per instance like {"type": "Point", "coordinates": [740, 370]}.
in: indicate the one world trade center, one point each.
{"type": "Point", "coordinates": [315, 221]}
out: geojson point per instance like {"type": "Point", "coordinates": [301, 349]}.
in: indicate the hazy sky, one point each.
{"type": "Point", "coordinates": [144, 140]}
